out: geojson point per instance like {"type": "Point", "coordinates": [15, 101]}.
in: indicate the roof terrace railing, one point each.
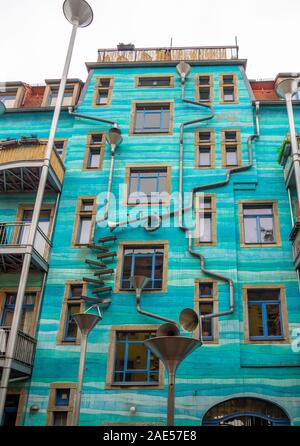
{"type": "Point", "coordinates": [168, 54]}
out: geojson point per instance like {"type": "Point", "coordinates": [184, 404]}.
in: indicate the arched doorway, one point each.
{"type": "Point", "coordinates": [253, 412]}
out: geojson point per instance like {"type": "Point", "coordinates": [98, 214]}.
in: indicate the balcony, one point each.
{"type": "Point", "coordinates": [24, 352]}
{"type": "Point", "coordinates": [286, 161]}
{"type": "Point", "coordinates": [128, 53]}
{"type": "Point", "coordinates": [14, 245]}
{"type": "Point", "coordinates": [295, 239]}
{"type": "Point", "coordinates": [21, 163]}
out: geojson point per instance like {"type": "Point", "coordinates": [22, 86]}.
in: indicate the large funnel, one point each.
{"type": "Point", "coordinates": [86, 322]}
{"type": "Point", "coordinates": [139, 282]}
{"type": "Point", "coordinates": [172, 349]}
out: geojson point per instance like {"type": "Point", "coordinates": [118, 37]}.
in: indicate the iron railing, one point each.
{"type": "Point", "coordinates": [25, 346]}
{"type": "Point", "coordinates": [168, 54]}
{"type": "Point", "coordinates": [14, 234]}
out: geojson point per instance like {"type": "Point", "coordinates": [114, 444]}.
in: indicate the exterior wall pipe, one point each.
{"type": "Point", "coordinates": [147, 313]}
{"type": "Point", "coordinates": [92, 118]}
{"type": "Point", "coordinates": [291, 207]}
{"type": "Point", "coordinates": [209, 186]}
{"type": "Point", "coordinates": [33, 230]}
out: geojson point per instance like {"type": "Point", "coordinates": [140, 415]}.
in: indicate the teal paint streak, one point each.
{"type": "Point", "coordinates": [214, 372]}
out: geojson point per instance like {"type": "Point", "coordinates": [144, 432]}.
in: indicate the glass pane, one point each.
{"type": "Point", "coordinates": [204, 157]}
{"type": "Point", "coordinates": [120, 354]}
{"type": "Point", "coordinates": [255, 320]}
{"type": "Point", "coordinates": [152, 120]}
{"type": "Point", "coordinates": [139, 119]}
{"type": "Point", "coordinates": [228, 94]}
{"type": "Point", "coordinates": [75, 291]}
{"type": "Point", "coordinates": [258, 210]}
{"type": "Point", "coordinates": [266, 230]}
{"type": "Point", "coordinates": [96, 138]}
{"type": "Point", "coordinates": [60, 418]}
{"type": "Point", "coordinates": [230, 136]}
{"type": "Point", "coordinates": [137, 357]}
{"type": "Point", "coordinates": [154, 81]}
{"type": "Point", "coordinates": [8, 100]}
{"type": "Point", "coordinates": [62, 397]}
{"type": "Point", "coordinates": [204, 136]}
{"type": "Point", "coordinates": [264, 294]}
{"type": "Point", "coordinates": [102, 98]}
{"type": "Point", "coordinates": [204, 94]}
{"type": "Point", "coordinates": [228, 79]}
{"type": "Point", "coordinates": [165, 120]}
{"type": "Point", "coordinates": [148, 185]}
{"type": "Point", "coordinates": [231, 157]}
{"type": "Point", "coordinates": [71, 329]}
{"type": "Point", "coordinates": [206, 228]}
{"type": "Point", "coordinates": [84, 231]}
{"type": "Point", "coordinates": [207, 324]}
{"type": "Point", "coordinates": [143, 266]}
{"type": "Point", "coordinates": [94, 158]}
{"type": "Point", "coordinates": [104, 82]}
{"type": "Point", "coordinates": [204, 80]}
{"type": "Point", "coordinates": [87, 205]}
{"type": "Point", "coordinates": [139, 377]}
{"type": "Point", "coordinates": [250, 230]}
{"type": "Point", "coordinates": [273, 320]}
{"type": "Point", "coordinates": [205, 290]}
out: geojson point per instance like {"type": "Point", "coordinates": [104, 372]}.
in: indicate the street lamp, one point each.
{"type": "Point", "coordinates": [286, 89]}
{"type": "Point", "coordinates": [85, 322]}
{"type": "Point", "coordinates": [79, 14]}
{"type": "Point", "coordinates": [2, 108]}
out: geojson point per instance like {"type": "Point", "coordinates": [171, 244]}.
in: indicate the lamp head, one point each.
{"type": "Point", "coordinates": [114, 138]}
{"type": "Point", "coordinates": [287, 86]}
{"type": "Point", "coordinates": [78, 12]}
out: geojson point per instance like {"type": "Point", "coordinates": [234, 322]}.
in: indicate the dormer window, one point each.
{"type": "Point", "coordinates": [12, 95]}
{"type": "Point", "coordinates": [71, 94]}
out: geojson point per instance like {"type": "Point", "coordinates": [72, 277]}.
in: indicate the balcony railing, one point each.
{"type": "Point", "coordinates": [168, 54]}
{"type": "Point", "coordinates": [25, 346]}
{"type": "Point", "coordinates": [15, 234]}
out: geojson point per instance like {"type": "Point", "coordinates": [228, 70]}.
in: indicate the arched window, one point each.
{"type": "Point", "coordinates": [246, 412]}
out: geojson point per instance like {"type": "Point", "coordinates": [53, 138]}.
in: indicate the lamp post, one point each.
{"type": "Point", "coordinates": [286, 89]}
{"type": "Point", "coordinates": [79, 14]}
{"type": "Point", "coordinates": [85, 322]}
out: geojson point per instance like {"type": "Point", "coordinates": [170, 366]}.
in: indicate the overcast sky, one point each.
{"type": "Point", "coordinates": [34, 33]}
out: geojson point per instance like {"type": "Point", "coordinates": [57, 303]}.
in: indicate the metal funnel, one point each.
{"type": "Point", "coordinates": [86, 322]}
{"type": "Point", "coordinates": [139, 282]}
{"type": "Point", "coordinates": [287, 86]}
{"type": "Point", "coordinates": [78, 12]}
{"type": "Point", "coordinates": [171, 350]}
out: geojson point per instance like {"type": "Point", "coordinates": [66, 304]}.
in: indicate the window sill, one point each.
{"type": "Point", "coordinates": [261, 245]}
{"type": "Point", "coordinates": [267, 341]}
{"type": "Point", "coordinates": [158, 386]}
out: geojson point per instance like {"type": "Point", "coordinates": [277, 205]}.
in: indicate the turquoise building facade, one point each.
{"type": "Point", "coordinates": [258, 378]}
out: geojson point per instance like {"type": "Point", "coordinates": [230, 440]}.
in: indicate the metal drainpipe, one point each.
{"type": "Point", "coordinates": [11, 344]}
{"type": "Point", "coordinates": [291, 206]}
{"type": "Point", "coordinates": [209, 186]}
{"type": "Point", "coordinates": [147, 313]}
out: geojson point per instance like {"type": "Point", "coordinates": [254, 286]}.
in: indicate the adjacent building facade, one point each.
{"type": "Point", "coordinates": [244, 222]}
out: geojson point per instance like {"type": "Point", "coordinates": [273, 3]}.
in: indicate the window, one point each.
{"type": "Point", "coordinates": [94, 153]}
{"type": "Point", "coordinates": [143, 258]}
{"type": "Point", "coordinates": [27, 311]}
{"type": "Point", "coordinates": [68, 96]}
{"type": "Point", "coordinates": [147, 185]}
{"type": "Point", "coordinates": [265, 313]}
{"type": "Point", "coordinates": [231, 148]}
{"type": "Point", "coordinates": [9, 98]}
{"type": "Point", "coordinates": [259, 224]}
{"type": "Point", "coordinates": [206, 303]}
{"type": "Point", "coordinates": [204, 88]}
{"type": "Point", "coordinates": [103, 92]}
{"type": "Point", "coordinates": [130, 362]}
{"type": "Point", "coordinates": [205, 220]}
{"type": "Point", "coordinates": [228, 88]}
{"type": "Point", "coordinates": [154, 81]}
{"type": "Point", "coordinates": [14, 407]}
{"type": "Point", "coordinates": [84, 221]}
{"type": "Point", "coordinates": [60, 405]}
{"type": "Point", "coordinates": [204, 149]}
{"type": "Point", "coordinates": [72, 303]}
{"type": "Point", "coordinates": [60, 147]}
{"type": "Point", "coordinates": [12, 95]}
{"type": "Point", "coordinates": [152, 118]}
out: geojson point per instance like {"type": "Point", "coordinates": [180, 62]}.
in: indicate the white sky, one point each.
{"type": "Point", "coordinates": [34, 33]}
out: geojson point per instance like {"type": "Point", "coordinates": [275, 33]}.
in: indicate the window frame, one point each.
{"type": "Point", "coordinates": [18, 91]}
{"type": "Point", "coordinates": [210, 86]}
{"type": "Point", "coordinates": [284, 315]}
{"type": "Point", "coordinates": [138, 77]}
{"type": "Point", "coordinates": [214, 301]}
{"type": "Point", "coordinates": [276, 223]}
{"type": "Point", "coordinates": [88, 147]}
{"type": "Point", "coordinates": [64, 311]}
{"type": "Point", "coordinates": [150, 103]}
{"type": "Point", "coordinates": [52, 408]}
{"type": "Point", "coordinates": [146, 167]}
{"type": "Point", "coordinates": [98, 88]}
{"type": "Point", "coordinates": [111, 359]}
{"type": "Point", "coordinates": [213, 212]}
{"type": "Point", "coordinates": [212, 145]}
{"type": "Point", "coordinates": [49, 86]}
{"type": "Point", "coordinates": [81, 214]}
{"type": "Point", "coordinates": [134, 244]}
{"type": "Point", "coordinates": [225, 143]}
{"type": "Point", "coordinates": [36, 305]}
{"type": "Point", "coordinates": [21, 405]}
{"type": "Point", "coordinates": [223, 85]}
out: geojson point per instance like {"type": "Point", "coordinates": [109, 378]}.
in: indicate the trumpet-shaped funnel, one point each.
{"type": "Point", "coordinates": [139, 282]}
{"type": "Point", "coordinates": [189, 319]}
{"type": "Point", "coordinates": [86, 322]}
{"type": "Point", "coordinates": [78, 12]}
